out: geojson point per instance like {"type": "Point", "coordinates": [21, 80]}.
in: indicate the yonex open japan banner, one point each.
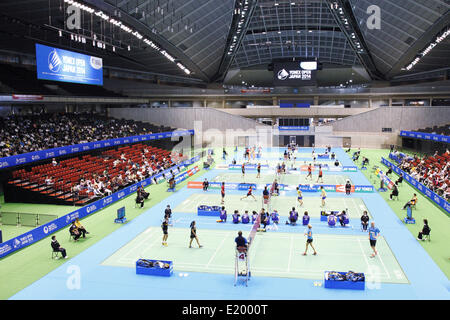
{"type": "Point", "coordinates": [68, 66]}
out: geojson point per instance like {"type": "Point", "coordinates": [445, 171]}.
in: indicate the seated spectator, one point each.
{"type": "Point", "coordinates": [399, 180]}
{"type": "Point", "coordinates": [411, 202]}
{"type": "Point", "coordinates": [223, 215]}
{"type": "Point", "coordinates": [57, 247]}
{"type": "Point", "coordinates": [74, 232]}
{"type": "Point", "coordinates": [394, 192]}
{"type": "Point", "coordinates": [389, 171]}
{"type": "Point", "coordinates": [236, 216]}
{"type": "Point", "coordinates": [143, 193]}
{"type": "Point", "coordinates": [172, 183]}
{"type": "Point", "coordinates": [305, 219]}
{"type": "Point", "coordinates": [331, 220]}
{"type": "Point", "coordinates": [425, 230]}
{"type": "Point", "coordinates": [365, 220]}
{"type": "Point", "coordinates": [254, 216]}
{"type": "Point", "coordinates": [343, 218]}
{"type": "Point", "coordinates": [140, 199]}
{"type": "Point", "coordinates": [80, 227]}
{"type": "Point", "coordinates": [293, 217]}
{"type": "Point", "coordinates": [275, 217]}
{"type": "Point", "coordinates": [265, 220]}
{"type": "Point", "coordinates": [245, 218]}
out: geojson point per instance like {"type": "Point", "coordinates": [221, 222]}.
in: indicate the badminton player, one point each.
{"type": "Point", "coordinates": [165, 229]}
{"type": "Point", "coordinates": [309, 240]}
{"type": "Point", "coordinates": [299, 196]}
{"type": "Point", "coordinates": [258, 169]}
{"type": "Point", "coordinates": [320, 177]}
{"type": "Point", "coordinates": [249, 194]}
{"type": "Point", "coordinates": [222, 192]}
{"type": "Point", "coordinates": [323, 196]}
{"type": "Point", "coordinates": [309, 172]}
{"type": "Point", "coordinates": [373, 236]}
{"type": "Point", "coordinates": [194, 235]}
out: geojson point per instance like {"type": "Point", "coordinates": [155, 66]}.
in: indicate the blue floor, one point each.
{"type": "Point", "coordinates": [105, 282]}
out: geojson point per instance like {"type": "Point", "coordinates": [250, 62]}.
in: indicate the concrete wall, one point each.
{"type": "Point", "coordinates": [212, 127]}
{"type": "Point", "coordinates": [397, 118]}
{"type": "Point", "coordinates": [365, 130]}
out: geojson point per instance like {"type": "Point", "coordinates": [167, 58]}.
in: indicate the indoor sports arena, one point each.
{"type": "Point", "coordinates": [224, 150]}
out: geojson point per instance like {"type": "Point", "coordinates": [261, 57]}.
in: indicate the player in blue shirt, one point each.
{"type": "Point", "coordinates": [309, 240]}
{"type": "Point", "coordinates": [374, 232]}
{"type": "Point", "coordinates": [245, 218]}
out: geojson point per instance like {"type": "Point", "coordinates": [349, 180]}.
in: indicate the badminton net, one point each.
{"type": "Point", "coordinates": [255, 228]}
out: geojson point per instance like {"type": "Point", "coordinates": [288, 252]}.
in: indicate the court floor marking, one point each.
{"type": "Point", "coordinates": [217, 250]}
{"type": "Point", "coordinates": [384, 266]}
{"type": "Point", "coordinates": [364, 255]}
{"type": "Point", "coordinates": [275, 271]}
{"type": "Point", "coordinates": [210, 266]}
{"type": "Point", "coordinates": [290, 252]}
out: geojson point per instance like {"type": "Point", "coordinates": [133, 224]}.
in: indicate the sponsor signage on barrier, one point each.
{"type": "Point", "coordinates": [387, 181]}
{"type": "Point", "coordinates": [246, 186]}
{"type": "Point", "coordinates": [315, 167]}
{"type": "Point", "coordinates": [41, 232]}
{"type": "Point", "coordinates": [425, 136]}
{"type": "Point", "coordinates": [61, 151]}
{"type": "Point", "coordinates": [186, 174]}
{"type": "Point", "coordinates": [247, 166]}
{"type": "Point", "coordinates": [441, 202]}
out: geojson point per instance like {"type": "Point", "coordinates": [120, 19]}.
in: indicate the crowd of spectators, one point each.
{"type": "Point", "coordinates": [131, 172]}
{"type": "Point", "coordinates": [28, 133]}
{"type": "Point", "coordinates": [433, 172]}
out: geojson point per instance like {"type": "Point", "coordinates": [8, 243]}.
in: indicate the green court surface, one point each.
{"type": "Point", "coordinates": [272, 254]}
{"type": "Point", "coordinates": [11, 231]}
{"type": "Point", "coordinates": [283, 204]}
{"type": "Point", "coordinates": [31, 263]}
{"type": "Point", "coordinates": [438, 220]}
{"type": "Point", "coordinates": [289, 178]}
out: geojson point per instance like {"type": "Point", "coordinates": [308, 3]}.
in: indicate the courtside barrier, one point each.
{"type": "Point", "coordinates": [425, 136]}
{"type": "Point", "coordinates": [82, 147]}
{"type": "Point", "coordinates": [43, 231]}
{"type": "Point", "coordinates": [441, 202]}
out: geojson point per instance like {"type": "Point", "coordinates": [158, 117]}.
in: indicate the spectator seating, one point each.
{"type": "Point", "coordinates": [432, 171]}
{"type": "Point", "coordinates": [68, 173]}
{"type": "Point", "coordinates": [27, 133]}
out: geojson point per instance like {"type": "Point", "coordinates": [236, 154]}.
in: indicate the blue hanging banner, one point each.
{"type": "Point", "coordinates": [425, 136]}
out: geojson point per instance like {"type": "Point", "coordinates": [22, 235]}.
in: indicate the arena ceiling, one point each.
{"type": "Point", "coordinates": [212, 37]}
